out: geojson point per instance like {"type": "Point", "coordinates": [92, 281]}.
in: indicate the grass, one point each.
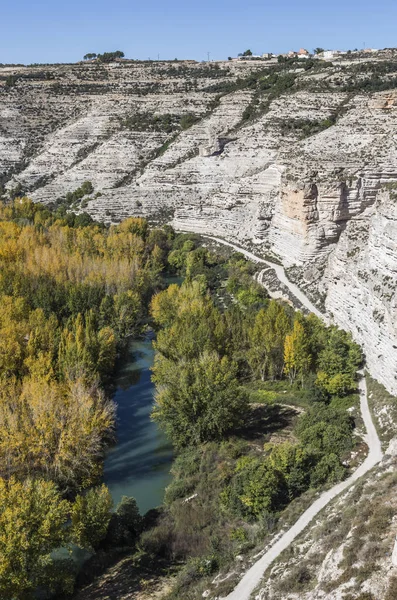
{"type": "Point", "coordinates": [384, 410]}
{"type": "Point", "coordinates": [278, 392]}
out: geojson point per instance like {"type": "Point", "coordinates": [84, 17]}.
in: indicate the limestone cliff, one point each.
{"type": "Point", "coordinates": [282, 159]}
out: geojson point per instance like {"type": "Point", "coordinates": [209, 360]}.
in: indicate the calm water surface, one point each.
{"type": "Point", "coordinates": [139, 464]}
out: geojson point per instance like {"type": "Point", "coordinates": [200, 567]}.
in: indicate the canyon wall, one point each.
{"type": "Point", "coordinates": [302, 174]}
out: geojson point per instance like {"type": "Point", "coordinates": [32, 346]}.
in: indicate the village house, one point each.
{"type": "Point", "coordinates": [303, 53]}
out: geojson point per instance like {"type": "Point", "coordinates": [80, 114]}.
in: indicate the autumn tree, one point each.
{"type": "Point", "coordinates": [297, 357]}
{"type": "Point", "coordinates": [194, 324]}
{"type": "Point", "coordinates": [59, 431]}
{"type": "Point", "coordinates": [33, 520]}
{"type": "Point", "coordinates": [86, 351]}
{"type": "Point", "coordinates": [90, 515]}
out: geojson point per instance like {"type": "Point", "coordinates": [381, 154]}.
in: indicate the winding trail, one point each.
{"type": "Point", "coordinates": [253, 576]}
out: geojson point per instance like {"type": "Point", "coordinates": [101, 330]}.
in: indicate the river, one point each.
{"type": "Point", "coordinates": [139, 464]}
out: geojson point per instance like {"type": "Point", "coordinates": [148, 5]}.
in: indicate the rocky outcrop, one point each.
{"type": "Point", "coordinates": [360, 285]}
{"type": "Point", "coordinates": [301, 180]}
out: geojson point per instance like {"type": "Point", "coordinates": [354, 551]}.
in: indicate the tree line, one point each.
{"type": "Point", "coordinates": [221, 344]}
{"type": "Point", "coordinates": [71, 294]}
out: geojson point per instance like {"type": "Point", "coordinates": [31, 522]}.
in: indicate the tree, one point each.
{"type": "Point", "coordinates": [33, 520]}
{"type": "Point", "coordinates": [294, 462]}
{"type": "Point", "coordinates": [107, 352]}
{"type": "Point", "coordinates": [164, 306]}
{"type": "Point", "coordinates": [86, 352]}
{"type": "Point", "coordinates": [328, 469]}
{"type": "Point", "coordinates": [247, 53]}
{"type": "Point", "coordinates": [54, 430]}
{"type": "Point", "coordinates": [267, 338]}
{"type": "Point", "coordinates": [198, 400]}
{"type": "Point", "coordinates": [87, 188]}
{"type": "Point", "coordinates": [89, 56]}
{"type": "Point", "coordinates": [127, 308]}
{"type": "Point", "coordinates": [339, 354]}
{"type": "Point", "coordinates": [337, 385]}
{"type": "Point", "coordinates": [297, 357]}
{"type": "Point", "coordinates": [318, 50]}
{"type": "Point", "coordinates": [90, 515]}
{"type": "Point", "coordinates": [255, 490]}
{"type": "Point", "coordinates": [325, 429]}
{"type": "Point", "coordinates": [125, 524]}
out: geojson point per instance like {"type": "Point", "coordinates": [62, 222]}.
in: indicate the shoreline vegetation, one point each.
{"type": "Point", "coordinates": [259, 401]}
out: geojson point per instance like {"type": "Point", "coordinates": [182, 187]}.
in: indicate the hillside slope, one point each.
{"type": "Point", "coordinates": [290, 161]}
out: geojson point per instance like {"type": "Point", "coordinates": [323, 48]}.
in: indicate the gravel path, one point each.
{"type": "Point", "coordinates": [253, 576]}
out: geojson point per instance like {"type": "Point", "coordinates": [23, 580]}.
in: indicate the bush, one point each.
{"type": "Point", "coordinates": [125, 524]}
{"type": "Point", "coordinates": [296, 581]}
{"type": "Point", "coordinates": [187, 121]}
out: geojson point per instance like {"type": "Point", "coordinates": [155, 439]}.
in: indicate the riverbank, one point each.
{"type": "Point", "coordinates": [254, 575]}
{"type": "Point", "coordinates": [229, 492]}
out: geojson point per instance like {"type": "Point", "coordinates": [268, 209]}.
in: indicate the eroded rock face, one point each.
{"type": "Point", "coordinates": [360, 281]}
{"type": "Point", "coordinates": [309, 194]}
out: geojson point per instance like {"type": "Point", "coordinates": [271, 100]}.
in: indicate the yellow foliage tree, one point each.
{"type": "Point", "coordinates": [32, 524]}
{"type": "Point", "coordinates": [297, 357]}
{"type": "Point", "coordinates": [60, 431]}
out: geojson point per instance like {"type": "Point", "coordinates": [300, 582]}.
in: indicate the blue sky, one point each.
{"type": "Point", "coordinates": [56, 31]}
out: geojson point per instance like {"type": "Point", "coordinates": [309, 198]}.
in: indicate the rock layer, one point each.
{"type": "Point", "coordinates": [301, 180]}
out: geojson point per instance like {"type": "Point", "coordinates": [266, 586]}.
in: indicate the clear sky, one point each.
{"type": "Point", "coordinates": [58, 31]}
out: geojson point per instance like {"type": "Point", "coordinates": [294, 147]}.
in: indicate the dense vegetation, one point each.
{"type": "Point", "coordinates": [71, 293]}
{"type": "Point", "coordinates": [166, 123]}
{"type": "Point", "coordinates": [219, 373]}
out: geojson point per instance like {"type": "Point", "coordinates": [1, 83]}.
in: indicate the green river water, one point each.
{"type": "Point", "coordinates": [139, 464]}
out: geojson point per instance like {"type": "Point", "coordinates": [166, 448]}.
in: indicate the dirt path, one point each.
{"type": "Point", "coordinates": [253, 576]}
{"type": "Point", "coordinates": [279, 270]}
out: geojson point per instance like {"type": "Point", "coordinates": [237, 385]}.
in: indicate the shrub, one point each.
{"type": "Point", "coordinates": [391, 593]}
{"type": "Point", "coordinates": [125, 524]}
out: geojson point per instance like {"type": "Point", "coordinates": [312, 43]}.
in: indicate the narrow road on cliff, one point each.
{"type": "Point", "coordinates": [253, 576]}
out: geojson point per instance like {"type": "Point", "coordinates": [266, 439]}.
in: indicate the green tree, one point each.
{"type": "Point", "coordinates": [247, 53]}
{"type": "Point", "coordinates": [87, 188]}
{"type": "Point", "coordinates": [125, 524]}
{"type": "Point", "coordinates": [90, 515]}
{"type": "Point", "coordinates": [325, 429]}
{"type": "Point", "coordinates": [256, 488]}
{"type": "Point", "coordinates": [339, 354]}
{"type": "Point", "coordinates": [198, 400]}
